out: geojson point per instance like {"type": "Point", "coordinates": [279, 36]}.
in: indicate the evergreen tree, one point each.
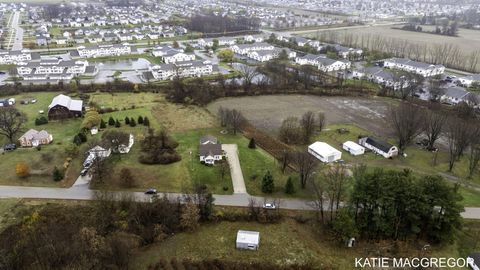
{"type": "Point", "coordinates": [127, 120]}
{"type": "Point", "coordinates": [146, 122]}
{"type": "Point", "coordinates": [117, 124]}
{"type": "Point", "coordinates": [77, 140]}
{"type": "Point", "coordinates": [267, 183]}
{"type": "Point", "coordinates": [132, 122]}
{"type": "Point", "coordinates": [82, 137]}
{"type": "Point", "coordinates": [140, 120]}
{"type": "Point", "coordinates": [57, 174]}
{"type": "Point", "coordinates": [111, 121]}
{"type": "Point", "coordinates": [289, 188]}
{"type": "Point", "coordinates": [252, 144]}
{"type": "Point", "coordinates": [103, 124]}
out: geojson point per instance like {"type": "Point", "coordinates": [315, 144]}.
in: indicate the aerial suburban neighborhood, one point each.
{"type": "Point", "coordinates": [275, 134]}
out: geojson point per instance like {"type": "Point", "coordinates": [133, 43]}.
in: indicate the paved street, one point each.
{"type": "Point", "coordinates": [235, 168]}
{"type": "Point", "coordinates": [15, 37]}
{"type": "Point", "coordinates": [242, 200]}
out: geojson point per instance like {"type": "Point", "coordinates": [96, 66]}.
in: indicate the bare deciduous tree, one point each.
{"type": "Point", "coordinates": [406, 120]}
{"type": "Point", "coordinates": [305, 164]}
{"type": "Point", "coordinates": [433, 124]}
{"type": "Point", "coordinates": [321, 121]}
{"type": "Point", "coordinates": [247, 73]}
{"type": "Point", "coordinates": [308, 125]}
{"type": "Point", "coordinates": [290, 131]}
{"type": "Point", "coordinates": [11, 122]}
{"type": "Point", "coordinates": [235, 120]}
{"type": "Point", "coordinates": [459, 136]}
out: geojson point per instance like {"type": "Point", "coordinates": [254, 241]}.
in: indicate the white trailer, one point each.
{"type": "Point", "coordinates": [248, 240]}
{"type": "Point", "coordinates": [324, 152]}
{"type": "Point", "coordinates": [353, 148]}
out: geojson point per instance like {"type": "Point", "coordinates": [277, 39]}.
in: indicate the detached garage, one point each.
{"type": "Point", "coordinates": [353, 148]}
{"type": "Point", "coordinates": [248, 240]}
{"type": "Point", "coordinates": [324, 152]}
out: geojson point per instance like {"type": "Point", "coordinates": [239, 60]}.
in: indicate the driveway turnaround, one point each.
{"type": "Point", "coordinates": [235, 169]}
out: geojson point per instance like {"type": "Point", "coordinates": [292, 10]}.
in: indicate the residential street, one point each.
{"type": "Point", "coordinates": [15, 38]}
{"type": "Point", "coordinates": [242, 200]}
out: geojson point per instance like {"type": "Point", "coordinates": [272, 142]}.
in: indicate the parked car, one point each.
{"type": "Point", "coordinates": [269, 206]}
{"type": "Point", "coordinates": [84, 172]}
{"type": "Point", "coordinates": [151, 191]}
{"type": "Point", "coordinates": [9, 147]}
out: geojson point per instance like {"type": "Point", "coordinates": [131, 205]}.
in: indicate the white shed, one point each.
{"type": "Point", "coordinates": [324, 152]}
{"type": "Point", "coordinates": [248, 240]}
{"type": "Point", "coordinates": [353, 148]}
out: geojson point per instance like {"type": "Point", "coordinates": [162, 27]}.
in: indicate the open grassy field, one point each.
{"type": "Point", "coordinates": [284, 243]}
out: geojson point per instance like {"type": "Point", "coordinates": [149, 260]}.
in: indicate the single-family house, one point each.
{"type": "Point", "coordinates": [378, 146]}
{"type": "Point", "coordinates": [210, 150]}
{"type": "Point", "coordinates": [455, 95]}
{"type": "Point", "coordinates": [467, 81]}
{"type": "Point", "coordinates": [34, 138]}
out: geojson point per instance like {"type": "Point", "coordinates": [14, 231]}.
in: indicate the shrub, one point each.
{"type": "Point", "coordinates": [77, 140]}
{"type": "Point", "coordinates": [21, 169]}
{"type": "Point", "coordinates": [252, 144]}
{"type": "Point", "coordinates": [140, 120]}
{"type": "Point", "coordinates": [127, 120]}
{"type": "Point", "coordinates": [41, 121]}
{"type": "Point", "coordinates": [117, 124]}
{"type": "Point", "coordinates": [82, 137]}
{"type": "Point", "coordinates": [103, 124]}
{"type": "Point", "coordinates": [57, 174]}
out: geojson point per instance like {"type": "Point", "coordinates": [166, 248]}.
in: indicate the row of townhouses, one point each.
{"type": "Point", "coordinates": [380, 76]}
{"type": "Point", "coordinates": [342, 51]}
{"type": "Point", "coordinates": [261, 51]}
{"type": "Point", "coordinates": [323, 63]}
{"type": "Point", "coordinates": [17, 57]}
{"type": "Point", "coordinates": [170, 55]}
{"type": "Point", "coordinates": [184, 69]}
{"type": "Point", "coordinates": [54, 69]}
{"type": "Point", "coordinates": [423, 69]}
{"type": "Point", "coordinates": [103, 50]}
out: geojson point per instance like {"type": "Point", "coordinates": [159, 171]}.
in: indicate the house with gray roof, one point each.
{"type": "Point", "coordinates": [455, 95]}
{"type": "Point", "coordinates": [420, 68]}
{"type": "Point", "coordinates": [467, 81]}
{"type": "Point", "coordinates": [210, 150]}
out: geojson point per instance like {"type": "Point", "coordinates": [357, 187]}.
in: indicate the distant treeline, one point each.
{"type": "Point", "coordinates": [216, 24]}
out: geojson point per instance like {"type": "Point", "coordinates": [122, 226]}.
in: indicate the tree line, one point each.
{"type": "Point", "coordinates": [446, 54]}
{"type": "Point", "coordinates": [218, 24]}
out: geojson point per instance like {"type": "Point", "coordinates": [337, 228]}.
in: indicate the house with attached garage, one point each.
{"type": "Point", "coordinates": [34, 138]}
{"type": "Point", "coordinates": [210, 150]}
{"type": "Point", "coordinates": [345, 52]}
{"type": "Point", "coordinates": [328, 65]}
{"type": "Point", "coordinates": [63, 107]}
{"type": "Point", "coordinates": [267, 55]}
{"type": "Point", "coordinates": [423, 69]}
{"type": "Point", "coordinates": [379, 147]}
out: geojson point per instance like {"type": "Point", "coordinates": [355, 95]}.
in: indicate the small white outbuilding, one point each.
{"type": "Point", "coordinates": [353, 148]}
{"type": "Point", "coordinates": [324, 152]}
{"type": "Point", "coordinates": [248, 240]}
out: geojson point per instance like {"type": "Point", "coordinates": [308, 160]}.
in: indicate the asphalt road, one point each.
{"type": "Point", "coordinates": [239, 200]}
{"type": "Point", "coordinates": [15, 41]}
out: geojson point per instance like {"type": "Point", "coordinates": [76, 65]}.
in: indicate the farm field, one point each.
{"type": "Point", "coordinates": [467, 41]}
{"type": "Point", "coordinates": [268, 112]}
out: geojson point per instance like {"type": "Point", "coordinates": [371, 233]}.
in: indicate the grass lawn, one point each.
{"type": "Point", "coordinates": [417, 160]}
{"type": "Point", "coordinates": [283, 244]}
